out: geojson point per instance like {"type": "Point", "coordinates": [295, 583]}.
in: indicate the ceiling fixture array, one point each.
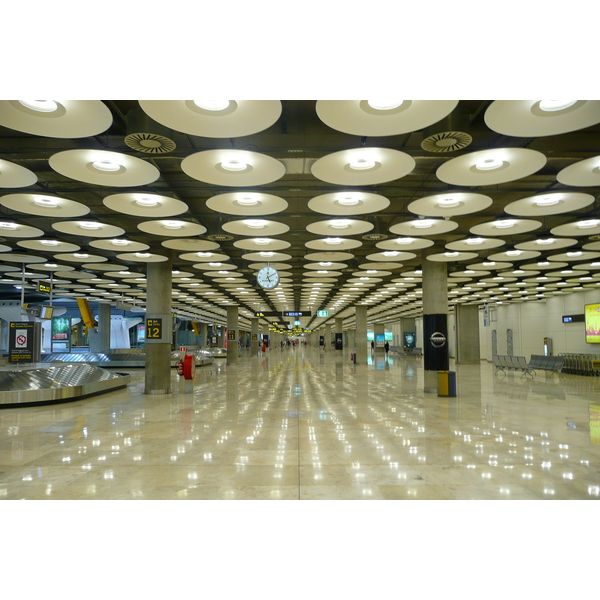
{"type": "Point", "coordinates": [333, 203]}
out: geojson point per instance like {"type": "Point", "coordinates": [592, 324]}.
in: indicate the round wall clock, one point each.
{"type": "Point", "coordinates": [267, 278]}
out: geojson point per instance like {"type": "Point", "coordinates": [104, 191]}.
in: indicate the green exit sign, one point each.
{"type": "Point", "coordinates": [322, 313]}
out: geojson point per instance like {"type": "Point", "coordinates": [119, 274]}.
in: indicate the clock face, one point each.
{"type": "Point", "coordinates": [267, 278]}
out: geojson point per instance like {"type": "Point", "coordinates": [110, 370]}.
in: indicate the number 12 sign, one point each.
{"type": "Point", "coordinates": [154, 329]}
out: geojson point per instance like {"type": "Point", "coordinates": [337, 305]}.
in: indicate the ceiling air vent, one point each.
{"type": "Point", "coordinates": [220, 237]}
{"type": "Point", "coordinates": [375, 237]}
{"type": "Point", "coordinates": [449, 134]}
{"type": "Point", "coordinates": [447, 141]}
{"type": "Point", "coordinates": [146, 135]}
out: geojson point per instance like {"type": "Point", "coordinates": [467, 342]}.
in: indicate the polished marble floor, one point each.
{"type": "Point", "coordinates": [300, 424]}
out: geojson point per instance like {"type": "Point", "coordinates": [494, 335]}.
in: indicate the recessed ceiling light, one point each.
{"type": "Point", "coordinates": [49, 242]}
{"type": "Point", "coordinates": [405, 240]}
{"type": "Point", "coordinates": [391, 253]}
{"type": "Point", "coordinates": [333, 241]}
{"type": "Point", "coordinates": [233, 165]}
{"type": "Point", "coordinates": [348, 201]}
{"type": "Point", "coordinates": [555, 105]}
{"type": "Point", "coordinates": [361, 164]}
{"type": "Point", "coordinates": [76, 255]}
{"type": "Point", "coordinates": [451, 254]}
{"type": "Point", "coordinates": [488, 164]}
{"type": "Point", "coordinates": [214, 105]}
{"type": "Point", "coordinates": [576, 253]}
{"type": "Point", "coordinates": [172, 224]}
{"type": "Point", "coordinates": [108, 166]}
{"type": "Point", "coordinates": [142, 254]}
{"type": "Point", "coordinates": [45, 106]}
{"type": "Point", "coordinates": [247, 201]}
{"type": "Point", "coordinates": [588, 224]}
{"type": "Point", "coordinates": [385, 104]}
{"type": "Point", "coordinates": [256, 223]}
{"type": "Point", "coordinates": [340, 223]}
{"type": "Point", "coordinates": [325, 264]}
{"type": "Point", "coordinates": [505, 224]}
{"type": "Point", "coordinates": [547, 201]}
{"type": "Point", "coordinates": [543, 263]}
{"type": "Point", "coordinates": [45, 202]}
{"type": "Point", "coordinates": [545, 242]}
{"type": "Point", "coordinates": [146, 201]}
{"type": "Point", "coordinates": [262, 241]}
{"type": "Point", "coordinates": [448, 202]}
{"type": "Point", "coordinates": [424, 223]}
{"type": "Point", "coordinates": [488, 264]}
{"type": "Point", "coordinates": [514, 252]}
{"type": "Point", "coordinates": [89, 225]}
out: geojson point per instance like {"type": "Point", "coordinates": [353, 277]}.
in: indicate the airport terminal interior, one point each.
{"type": "Point", "coordinates": [300, 299]}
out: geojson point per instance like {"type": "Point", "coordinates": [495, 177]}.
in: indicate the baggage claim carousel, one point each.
{"type": "Point", "coordinates": [72, 376]}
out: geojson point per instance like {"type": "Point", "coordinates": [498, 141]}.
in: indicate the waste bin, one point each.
{"type": "Point", "coordinates": [447, 384]}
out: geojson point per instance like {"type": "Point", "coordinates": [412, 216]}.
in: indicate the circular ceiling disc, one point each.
{"type": "Point", "coordinates": [234, 168]}
{"type": "Point", "coordinates": [101, 167]}
{"type": "Point", "coordinates": [391, 256]}
{"type": "Point", "coordinates": [190, 245]}
{"type": "Point", "coordinates": [328, 256]}
{"type": "Point", "coordinates": [16, 230]}
{"type": "Point", "coordinates": [44, 206]}
{"type": "Point", "coordinates": [525, 118]}
{"type": "Point", "coordinates": [452, 256]}
{"type": "Point", "coordinates": [84, 229]}
{"type": "Point", "coordinates": [339, 227]}
{"type": "Point", "coordinates": [490, 167]}
{"type": "Point", "coordinates": [275, 256]}
{"type": "Point", "coordinates": [450, 204]}
{"type": "Point", "coordinates": [416, 227]}
{"type": "Point", "coordinates": [15, 176]}
{"type": "Point", "coordinates": [237, 118]}
{"type": "Point", "coordinates": [255, 227]}
{"type": "Point", "coordinates": [21, 258]}
{"type": "Point", "coordinates": [580, 228]}
{"type": "Point", "coordinates": [79, 257]}
{"type": "Point", "coordinates": [554, 203]}
{"type": "Point", "coordinates": [171, 228]}
{"type": "Point", "coordinates": [548, 243]}
{"type": "Point", "coordinates": [348, 203]}
{"type": "Point", "coordinates": [145, 205]}
{"type": "Point", "coordinates": [372, 166]}
{"type": "Point", "coordinates": [53, 247]}
{"type": "Point", "coordinates": [143, 257]}
{"type": "Point", "coordinates": [247, 204]}
{"type": "Point", "coordinates": [69, 119]}
{"type": "Point", "coordinates": [197, 256]}
{"type": "Point", "coordinates": [264, 245]}
{"type": "Point", "coordinates": [468, 244]}
{"type": "Point", "coordinates": [585, 173]}
{"type": "Point", "coordinates": [506, 227]}
{"type": "Point", "coordinates": [514, 255]}
{"type": "Point", "coordinates": [405, 243]}
{"type": "Point", "coordinates": [119, 246]}
{"type": "Point", "coordinates": [358, 117]}
{"type": "Point", "coordinates": [342, 244]}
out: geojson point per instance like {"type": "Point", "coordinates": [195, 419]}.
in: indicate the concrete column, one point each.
{"type": "Point", "coordinates": [203, 334]}
{"type": "Point", "coordinates": [254, 337]}
{"type": "Point", "coordinates": [467, 334]}
{"type": "Point", "coordinates": [265, 331]}
{"type": "Point", "coordinates": [232, 326]}
{"type": "Point", "coordinates": [435, 318]}
{"type": "Point", "coordinates": [104, 326]}
{"type": "Point", "coordinates": [328, 337]}
{"type": "Point", "coordinates": [361, 334]}
{"type": "Point", "coordinates": [339, 328]}
{"type": "Point", "coordinates": [158, 353]}
{"type": "Point", "coordinates": [378, 329]}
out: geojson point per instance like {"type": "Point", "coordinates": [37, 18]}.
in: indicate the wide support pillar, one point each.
{"type": "Point", "coordinates": [361, 334]}
{"type": "Point", "coordinates": [104, 326]}
{"type": "Point", "coordinates": [435, 319]}
{"type": "Point", "coordinates": [232, 335]}
{"type": "Point", "coordinates": [328, 337]}
{"type": "Point", "coordinates": [378, 336]}
{"type": "Point", "coordinates": [158, 305]}
{"type": "Point", "coordinates": [254, 337]}
{"type": "Point", "coordinates": [339, 333]}
{"type": "Point", "coordinates": [467, 334]}
{"type": "Point", "coordinates": [203, 334]}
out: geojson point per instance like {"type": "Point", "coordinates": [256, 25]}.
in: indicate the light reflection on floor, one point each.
{"type": "Point", "coordinates": [304, 424]}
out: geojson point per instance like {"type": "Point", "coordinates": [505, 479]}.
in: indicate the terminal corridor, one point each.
{"type": "Point", "coordinates": [301, 424]}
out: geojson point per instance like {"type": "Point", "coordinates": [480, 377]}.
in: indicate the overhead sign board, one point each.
{"type": "Point", "coordinates": [322, 313]}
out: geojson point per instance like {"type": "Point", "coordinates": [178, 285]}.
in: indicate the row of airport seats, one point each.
{"type": "Point", "coordinates": [581, 364]}
{"type": "Point", "coordinates": [536, 363]}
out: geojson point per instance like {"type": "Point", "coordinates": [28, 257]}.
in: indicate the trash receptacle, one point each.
{"type": "Point", "coordinates": [447, 384]}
